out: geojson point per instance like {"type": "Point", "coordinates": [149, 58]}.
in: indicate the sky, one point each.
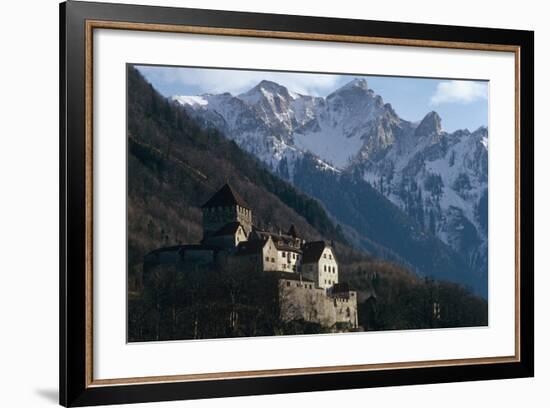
{"type": "Point", "coordinates": [462, 104]}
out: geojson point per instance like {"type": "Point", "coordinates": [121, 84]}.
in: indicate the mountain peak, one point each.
{"type": "Point", "coordinates": [264, 88]}
{"type": "Point", "coordinates": [268, 83]}
{"type": "Point", "coordinates": [356, 83]}
{"type": "Point", "coordinates": [430, 125]}
{"type": "Point", "coordinates": [270, 86]}
{"type": "Point", "coordinates": [357, 87]}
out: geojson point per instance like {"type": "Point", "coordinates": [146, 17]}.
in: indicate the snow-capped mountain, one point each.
{"type": "Point", "coordinates": [440, 179]}
{"type": "Point", "coordinates": [263, 120]}
{"type": "Point", "coordinates": [437, 178]}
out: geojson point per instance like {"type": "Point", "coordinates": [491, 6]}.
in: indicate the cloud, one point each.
{"type": "Point", "coordinates": [463, 92]}
{"type": "Point", "coordinates": [238, 81]}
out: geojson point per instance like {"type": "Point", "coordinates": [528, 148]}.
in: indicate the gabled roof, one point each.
{"type": "Point", "coordinates": [313, 251]}
{"type": "Point", "coordinates": [226, 197]}
{"type": "Point", "coordinates": [261, 235]}
{"type": "Point", "coordinates": [250, 247]}
{"type": "Point", "coordinates": [292, 231]}
{"type": "Point", "coordinates": [282, 242]}
{"type": "Point", "coordinates": [285, 246]}
{"type": "Point", "coordinates": [228, 229]}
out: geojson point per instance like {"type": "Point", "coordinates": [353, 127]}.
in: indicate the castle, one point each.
{"type": "Point", "coordinates": [307, 272]}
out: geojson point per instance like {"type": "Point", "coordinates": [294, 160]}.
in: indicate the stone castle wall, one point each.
{"type": "Point", "coordinates": [302, 300]}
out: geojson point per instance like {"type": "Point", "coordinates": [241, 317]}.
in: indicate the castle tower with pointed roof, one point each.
{"type": "Point", "coordinates": [226, 207]}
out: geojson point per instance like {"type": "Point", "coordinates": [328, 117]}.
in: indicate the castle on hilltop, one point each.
{"type": "Point", "coordinates": [306, 272]}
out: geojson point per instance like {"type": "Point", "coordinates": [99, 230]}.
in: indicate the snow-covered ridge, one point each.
{"type": "Point", "coordinates": [191, 100]}
{"type": "Point", "coordinates": [333, 128]}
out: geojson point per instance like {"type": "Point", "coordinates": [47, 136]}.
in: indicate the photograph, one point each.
{"type": "Point", "coordinates": [269, 203]}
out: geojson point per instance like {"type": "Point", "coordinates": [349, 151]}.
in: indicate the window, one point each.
{"type": "Point", "coordinates": [288, 284]}
{"type": "Point", "coordinates": [348, 312]}
{"type": "Point", "coordinates": [293, 256]}
{"type": "Point", "coordinates": [267, 258]}
{"type": "Point", "coordinates": [329, 256]}
{"type": "Point", "coordinates": [325, 268]}
{"type": "Point", "coordinates": [272, 259]}
{"type": "Point", "coordinates": [283, 254]}
{"type": "Point", "coordinates": [325, 256]}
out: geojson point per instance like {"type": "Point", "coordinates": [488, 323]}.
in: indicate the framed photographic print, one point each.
{"type": "Point", "coordinates": [255, 203]}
